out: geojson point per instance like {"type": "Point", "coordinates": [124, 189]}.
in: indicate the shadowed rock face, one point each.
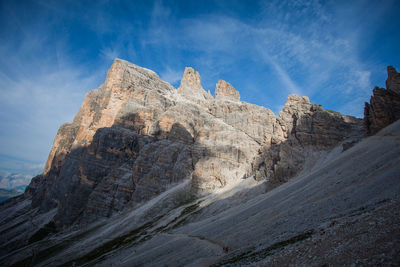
{"type": "Point", "coordinates": [136, 136]}
{"type": "Point", "coordinates": [384, 106]}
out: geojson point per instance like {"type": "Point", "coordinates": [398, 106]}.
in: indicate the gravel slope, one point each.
{"type": "Point", "coordinates": [345, 211]}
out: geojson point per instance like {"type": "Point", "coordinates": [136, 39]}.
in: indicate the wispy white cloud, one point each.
{"type": "Point", "coordinates": [110, 53]}
{"type": "Point", "coordinates": [10, 165]}
{"type": "Point", "coordinates": [305, 57]}
{"type": "Point", "coordinates": [10, 181]}
{"type": "Point", "coordinates": [171, 75]}
{"type": "Point", "coordinates": [283, 75]}
{"type": "Point", "coordinates": [310, 57]}
{"type": "Point", "coordinates": [38, 92]}
{"type": "Point", "coordinates": [160, 26]}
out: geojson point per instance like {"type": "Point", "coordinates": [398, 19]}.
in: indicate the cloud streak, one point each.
{"type": "Point", "coordinates": [304, 62]}
{"type": "Point", "coordinates": [40, 88]}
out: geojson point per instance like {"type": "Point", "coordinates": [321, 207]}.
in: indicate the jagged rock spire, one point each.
{"type": "Point", "coordinates": [384, 106]}
{"type": "Point", "coordinates": [393, 80]}
{"type": "Point", "coordinates": [225, 90]}
{"type": "Point", "coordinates": [191, 85]}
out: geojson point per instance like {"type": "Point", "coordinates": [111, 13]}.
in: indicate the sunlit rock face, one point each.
{"type": "Point", "coordinates": [225, 90]}
{"type": "Point", "coordinates": [137, 135]}
{"type": "Point", "coordinates": [384, 106]}
{"type": "Point", "coordinates": [191, 87]}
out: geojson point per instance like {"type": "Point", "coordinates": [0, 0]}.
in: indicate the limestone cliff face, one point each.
{"type": "Point", "coordinates": [384, 106]}
{"type": "Point", "coordinates": [136, 135]}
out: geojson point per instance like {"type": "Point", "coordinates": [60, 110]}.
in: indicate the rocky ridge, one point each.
{"type": "Point", "coordinates": [136, 135]}
{"type": "Point", "coordinates": [226, 90]}
{"type": "Point", "coordinates": [384, 106]}
{"type": "Point", "coordinates": [191, 87]}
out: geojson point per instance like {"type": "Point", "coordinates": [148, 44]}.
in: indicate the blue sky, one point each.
{"type": "Point", "coordinates": [53, 52]}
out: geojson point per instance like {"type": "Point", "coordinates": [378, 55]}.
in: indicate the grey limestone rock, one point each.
{"type": "Point", "coordinates": [384, 106]}
{"type": "Point", "coordinates": [225, 90]}
{"type": "Point", "coordinates": [136, 136]}
{"type": "Point", "coordinates": [191, 85]}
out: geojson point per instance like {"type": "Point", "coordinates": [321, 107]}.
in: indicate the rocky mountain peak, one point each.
{"type": "Point", "coordinates": [191, 85]}
{"type": "Point", "coordinates": [384, 106]}
{"type": "Point", "coordinates": [294, 99]}
{"type": "Point", "coordinates": [104, 106]}
{"type": "Point", "coordinates": [136, 135]}
{"type": "Point", "coordinates": [393, 80]}
{"type": "Point", "coordinates": [191, 79]}
{"type": "Point", "coordinates": [124, 75]}
{"type": "Point", "coordinates": [225, 90]}
{"type": "Point", "coordinates": [295, 103]}
{"type": "Point", "coordinates": [154, 160]}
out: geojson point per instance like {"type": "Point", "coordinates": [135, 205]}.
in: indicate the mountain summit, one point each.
{"type": "Point", "coordinates": [141, 160]}
{"type": "Point", "coordinates": [136, 135]}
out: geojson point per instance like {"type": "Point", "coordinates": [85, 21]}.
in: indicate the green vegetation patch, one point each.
{"type": "Point", "coordinates": [134, 237]}
{"type": "Point", "coordinates": [49, 251]}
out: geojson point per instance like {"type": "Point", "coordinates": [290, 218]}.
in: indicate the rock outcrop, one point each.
{"type": "Point", "coordinates": [225, 90]}
{"type": "Point", "coordinates": [191, 85]}
{"type": "Point", "coordinates": [384, 106]}
{"type": "Point", "coordinates": [304, 131]}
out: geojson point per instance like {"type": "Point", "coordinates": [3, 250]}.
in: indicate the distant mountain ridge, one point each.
{"type": "Point", "coordinates": [13, 184]}
{"type": "Point", "coordinates": [9, 193]}
{"type": "Point", "coordinates": [16, 173]}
